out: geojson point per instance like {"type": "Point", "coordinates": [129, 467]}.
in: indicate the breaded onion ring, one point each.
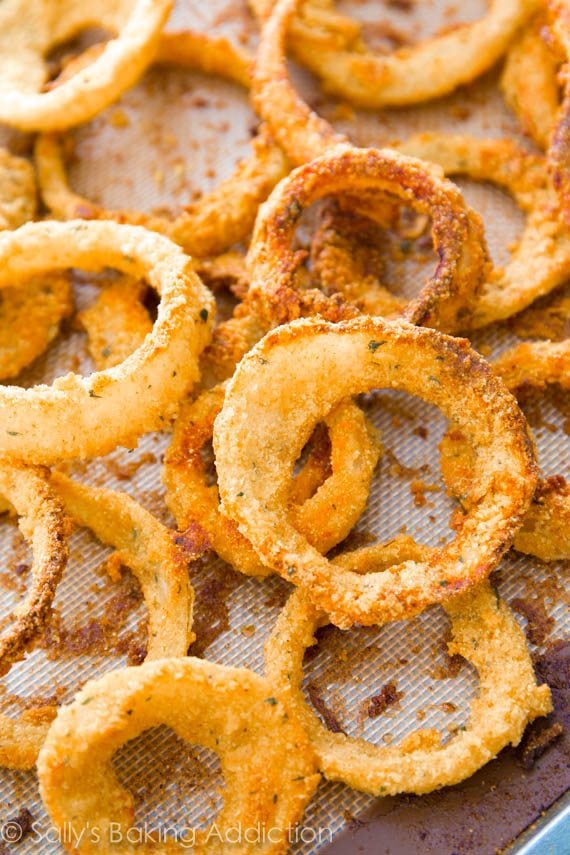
{"type": "Point", "coordinates": [333, 50]}
{"type": "Point", "coordinates": [457, 232]}
{"type": "Point", "coordinates": [30, 317]}
{"type": "Point", "coordinates": [79, 417]}
{"type": "Point", "coordinates": [541, 260]}
{"type": "Point", "coordinates": [265, 423]}
{"type": "Point", "coordinates": [116, 323]}
{"type": "Point", "coordinates": [324, 518]}
{"type": "Point", "coordinates": [222, 217]}
{"type": "Point", "coordinates": [530, 82]}
{"type": "Point", "coordinates": [546, 525]}
{"type": "Point", "coordinates": [18, 202]}
{"type": "Point", "coordinates": [559, 152]}
{"type": "Point", "coordinates": [483, 631]}
{"type": "Point", "coordinates": [44, 525]}
{"type": "Point", "coordinates": [147, 548]}
{"type": "Point", "coordinates": [22, 738]}
{"type": "Point", "coordinates": [29, 29]}
{"type": "Point", "coordinates": [266, 758]}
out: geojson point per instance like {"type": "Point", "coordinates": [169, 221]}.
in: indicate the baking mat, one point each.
{"type": "Point", "coordinates": [171, 137]}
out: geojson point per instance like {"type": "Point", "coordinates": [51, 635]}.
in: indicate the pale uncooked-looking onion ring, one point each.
{"type": "Point", "coordinates": [483, 631]}
{"type": "Point", "coordinates": [45, 527]}
{"type": "Point", "coordinates": [76, 416]}
{"type": "Point", "coordinates": [530, 82]}
{"type": "Point", "coordinates": [266, 758]}
{"type": "Point", "coordinates": [545, 529]}
{"type": "Point", "coordinates": [333, 50]}
{"type": "Point", "coordinates": [222, 217]}
{"type": "Point", "coordinates": [29, 30]}
{"type": "Point", "coordinates": [541, 259]}
{"type": "Point", "coordinates": [324, 518]}
{"type": "Point", "coordinates": [457, 232]}
{"type": "Point", "coordinates": [292, 379]}
{"type": "Point", "coordinates": [147, 548]}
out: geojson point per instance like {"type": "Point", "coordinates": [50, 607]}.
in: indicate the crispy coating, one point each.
{"type": "Point", "coordinates": [545, 528]}
{"type": "Point", "coordinates": [30, 317]}
{"type": "Point", "coordinates": [29, 29]}
{"type": "Point", "coordinates": [222, 217]}
{"type": "Point", "coordinates": [541, 259]}
{"type": "Point", "coordinates": [21, 738]}
{"type": "Point", "coordinates": [530, 82]}
{"type": "Point", "coordinates": [483, 631]}
{"type": "Point", "coordinates": [559, 152]}
{"type": "Point", "coordinates": [266, 758]}
{"type": "Point", "coordinates": [148, 548]}
{"type": "Point", "coordinates": [292, 379]}
{"type": "Point", "coordinates": [457, 233]}
{"type": "Point", "coordinates": [18, 200]}
{"type": "Point", "coordinates": [325, 517]}
{"type": "Point", "coordinates": [45, 527]}
{"type": "Point", "coordinates": [331, 46]}
{"type": "Point", "coordinates": [116, 323]}
{"type": "Point", "coordinates": [77, 416]}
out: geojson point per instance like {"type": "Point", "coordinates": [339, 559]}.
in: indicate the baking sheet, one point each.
{"type": "Point", "coordinates": [170, 137]}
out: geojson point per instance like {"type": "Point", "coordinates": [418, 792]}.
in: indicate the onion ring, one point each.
{"type": "Point", "coordinates": [147, 548]}
{"type": "Point", "coordinates": [44, 525]}
{"type": "Point", "coordinates": [326, 44]}
{"type": "Point", "coordinates": [222, 217]}
{"type": "Point", "coordinates": [29, 31]}
{"type": "Point", "coordinates": [22, 738]}
{"type": "Point", "coordinates": [337, 362]}
{"type": "Point", "coordinates": [30, 316]}
{"type": "Point", "coordinates": [544, 530]}
{"type": "Point", "coordinates": [484, 632]}
{"type": "Point", "coordinates": [266, 758]}
{"type": "Point", "coordinates": [541, 260]}
{"type": "Point", "coordinates": [17, 191]}
{"type": "Point", "coordinates": [530, 83]}
{"type": "Point", "coordinates": [116, 323]}
{"type": "Point", "coordinates": [76, 416]}
{"type": "Point", "coordinates": [325, 518]}
{"type": "Point", "coordinates": [457, 232]}
{"type": "Point", "coordinates": [559, 152]}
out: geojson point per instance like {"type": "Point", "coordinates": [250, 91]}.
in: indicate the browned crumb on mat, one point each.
{"type": "Point", "coordinates": [101, 635]}
{"type": "Point", "coordinates": [448, 707]}
{"type": "Point", "coordinates": [23, 823]}
{"type": "Point", "coordinates": [400, 5]}
{"type": "Point", "coordinates": [539, 623]}
{"type": "Point", "coordinates": [419, 488]}
{"type": "Point", "coordinates": [214, 582]}
{"type": "Point", "coordinates": [452, 665]}
{"type": "Point", "coordinates": [125, 471]}
{"type": "Point", "coordinates": [328, 716]}
{"type": "Point", "coordinates": [421, 431]}
{"type": "Point", "coordinates": [537, 739]}
{"type": "Point", "coordinates": [388, 696]}
{"type": "Point", "coordinates": [193, 541]}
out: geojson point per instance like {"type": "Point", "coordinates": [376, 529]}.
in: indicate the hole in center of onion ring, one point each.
{"type": "Point", "coordinates": [382, 704]}
{"type": "Point", "coordinates": [163, 772]}
{"type": "Point", "coordinates": [495, 206]}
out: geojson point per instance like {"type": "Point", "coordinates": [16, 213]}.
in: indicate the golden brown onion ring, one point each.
{"type": "Point", "coordinates": [147, 548]}
{"type": "Point", "coordinates": [18, 201]}
{"type": "Point", "coordinates": [29, 30]}
{"type": "Point", "coordinates": [333, 50]}
{"type": "Point", "coordinates": [324, 518]}
{"type": "Point", "coordinates": [79, 417]}
{"type": "Point", "coordinates": [21, 738]}
{"type": "Point", "coordinates": [266, 758]}
{"type": "Point", "coordinates": [116, 323]}
{"type": "Point", "coordinates": [45, 527]}
{"type": "Point", "coordinates": [483, 631]}
{"type": "Point", "coordinates": [222, 217]}
{"type": "Point", "coordinates": [541, 260]}
{"type": "Point", "coordinates": [530, 82]}
{"type": "Point", "coordinates": [457, 232]}
{"type": "Point", "coordinates": [30, 316]}
{"type": "Point", "coordinates": [265, 423]}
{"type": "Point", "coordinates": [546, 525]}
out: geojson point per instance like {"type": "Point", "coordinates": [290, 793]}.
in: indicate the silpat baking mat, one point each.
{"type": "Point", "coordinates": [170, 137]}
